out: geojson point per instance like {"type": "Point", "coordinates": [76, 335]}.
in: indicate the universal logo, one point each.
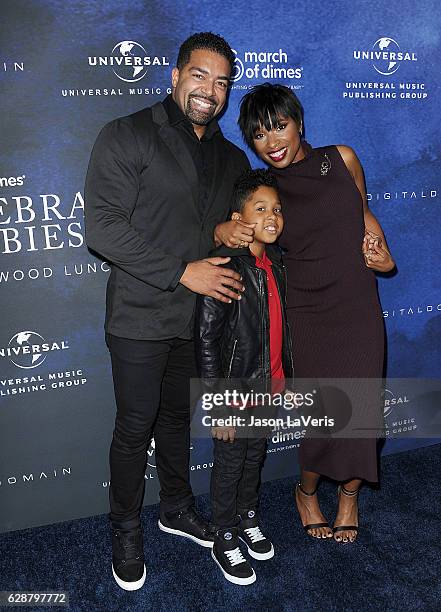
{"type": "Point", "coordinates": [27, 349]}
{"type": "Point", "coordinates": [151, 462]}
{"type": "Point", "coordinates": [391, 400]}
{"type": "Point", "coordinates": [12, 181]}
{"type": "Point", "coordinates": [263, 64]}
{"type": "Point", "coordinates": [129, 61]}
{"type": "Point", "coordinates": [386, 56]}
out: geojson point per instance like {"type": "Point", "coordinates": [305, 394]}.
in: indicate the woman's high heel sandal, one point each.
{"type": "Point", "coordinates": [313, 525]}
{"type": "Point", "coordinates": [341, 489]}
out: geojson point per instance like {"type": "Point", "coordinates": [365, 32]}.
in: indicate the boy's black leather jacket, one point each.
{"type": "Point", "coordinates": [232, 340]}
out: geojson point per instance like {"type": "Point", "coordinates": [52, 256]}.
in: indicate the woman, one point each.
{"type": "Point", "coordinates": [333, 244]}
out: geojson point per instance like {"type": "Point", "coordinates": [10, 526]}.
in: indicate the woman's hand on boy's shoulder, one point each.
{"type": "Point", "coordinates": [234, 234]}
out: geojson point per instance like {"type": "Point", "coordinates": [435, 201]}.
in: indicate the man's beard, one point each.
{"type": "Point", "coordinates": [199, 117]}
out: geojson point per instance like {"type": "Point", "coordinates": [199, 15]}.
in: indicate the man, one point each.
{"type": "Point", "coordinates": [158, 191]}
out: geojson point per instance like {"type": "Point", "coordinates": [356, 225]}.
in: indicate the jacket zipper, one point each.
{"type": "Point", "coordinates": [231, 358]}
{"type": "Point", "coordinates": [264, 328]}
{"type": "Point", "coordinates": [286, 285]}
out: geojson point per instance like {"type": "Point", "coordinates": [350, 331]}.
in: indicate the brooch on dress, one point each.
{"type": "Point", "coordinates": [326, 166]}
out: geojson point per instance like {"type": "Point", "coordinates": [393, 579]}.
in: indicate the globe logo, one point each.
{"type": "Point", "coordinates": [151, 461]}
{"type": "Point", "coordinates": [238, 69]}
{"type": "Point", "coordinates": [387, 396]}
{"type": "Point", "coordinates": [387, 64]}
{"type": "Point", "coordinates": [25, 350]}
{"type": "Point", "coordinates": [128, 62]}
{"type": "Point", "coordinates": [151, 454]}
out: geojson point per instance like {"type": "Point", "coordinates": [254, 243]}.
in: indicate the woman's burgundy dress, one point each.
{"type": "Point", "coordinates": [333, 307]}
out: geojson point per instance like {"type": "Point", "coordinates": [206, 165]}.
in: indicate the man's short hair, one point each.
{"type": "Point", "coordinates": [248, 183]}
{"type": "Point", "coordinates": [264, 105]}
{"type": "Point", "coordinates": [204, 40]}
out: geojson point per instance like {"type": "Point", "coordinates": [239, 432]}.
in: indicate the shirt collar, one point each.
{"type": "Point", "coordinates": [176, 117]}
{"type": "Point", "coordinates": [265, 261]}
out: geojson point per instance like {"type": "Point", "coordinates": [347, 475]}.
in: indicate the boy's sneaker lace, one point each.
{"type": "Point", "coordinates": [250, 532]}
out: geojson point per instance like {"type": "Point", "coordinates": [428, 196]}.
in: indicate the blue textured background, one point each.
{"type": "Point", "coordinates": [48, 137]}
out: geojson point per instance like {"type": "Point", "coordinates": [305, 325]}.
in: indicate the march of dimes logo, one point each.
{"type": "Point", "coordinates": [386, 58]}
{"type": "Point", "coordinates": [258, 65]}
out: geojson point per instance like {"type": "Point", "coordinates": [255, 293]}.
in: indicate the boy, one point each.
{"type": "Point", "coordinates": [245, 339]}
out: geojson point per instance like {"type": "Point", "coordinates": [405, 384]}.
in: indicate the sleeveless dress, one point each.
{"type": "Point", "coordinates": [332, 304]}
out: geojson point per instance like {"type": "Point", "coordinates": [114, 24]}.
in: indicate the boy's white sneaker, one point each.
{"type": "Point", "coordinates": [259, 546]}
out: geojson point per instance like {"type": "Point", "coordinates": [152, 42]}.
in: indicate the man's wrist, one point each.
{"type": "Point", "coordinates": [216, 238]}
{"type": "Point", "coordinates": [178, 276]}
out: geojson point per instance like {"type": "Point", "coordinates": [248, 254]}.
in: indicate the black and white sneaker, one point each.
{"type": "Point", "coordinates": [128, 566]}
{"type": "Point", "coordinates": [259, 547]}
{"type": "Point", "coordinates": [189, 524]}
{"type": "Point", "coordinates": [228, 556]}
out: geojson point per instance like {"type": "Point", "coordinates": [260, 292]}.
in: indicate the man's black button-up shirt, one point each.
{"type": "Point", "coordinates": [202, 150]}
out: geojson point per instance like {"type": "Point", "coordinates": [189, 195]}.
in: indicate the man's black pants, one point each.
{"type": "Point", "coordinates": [152, 391]}
{"type": "Point", "coordinates": [235, 478]}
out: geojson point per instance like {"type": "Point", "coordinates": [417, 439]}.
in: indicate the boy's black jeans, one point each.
{"type": "Point", "coordinates": [235, 478]}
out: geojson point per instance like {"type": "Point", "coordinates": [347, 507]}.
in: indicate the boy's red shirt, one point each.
{"type": "Point", "coordinates": [276, 324]}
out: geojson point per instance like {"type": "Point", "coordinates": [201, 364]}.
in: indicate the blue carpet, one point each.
{"type": "Point", "coordinates": [395, 565]}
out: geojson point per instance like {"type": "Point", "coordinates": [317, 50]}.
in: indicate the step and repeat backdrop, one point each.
{"type": "Point", "coordinates": [367, 74]}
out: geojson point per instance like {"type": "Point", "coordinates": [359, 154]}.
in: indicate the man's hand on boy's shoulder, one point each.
{"type": "Point", "coordinates": [226, 434]}
{"type": "Point", "coordinates": [234, 234]}
{"type": "Point", "coordinates": [209, 277]}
